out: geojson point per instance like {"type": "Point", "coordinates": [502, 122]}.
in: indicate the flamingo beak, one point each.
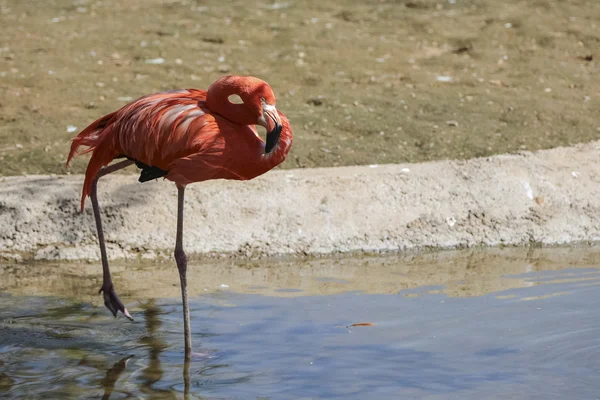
{"type": "Point", "coordinates": [273, 137]}
{"type": "Point", "coordinates": [272, 123]}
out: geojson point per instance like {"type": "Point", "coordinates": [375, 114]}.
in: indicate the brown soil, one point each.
{"type": "Point", "coordinates": [361, 82]}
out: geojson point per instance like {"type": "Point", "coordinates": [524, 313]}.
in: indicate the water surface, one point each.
{"type": "Point", "coordinates": [466, 325]}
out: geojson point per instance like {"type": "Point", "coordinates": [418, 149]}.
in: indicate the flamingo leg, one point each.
{"type": "Point", "coordinates": [111, 300]}
{"type": "Point", "coordinates": [181, 260]}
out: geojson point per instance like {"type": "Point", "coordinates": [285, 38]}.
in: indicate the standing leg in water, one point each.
{"type": "Point", "coordinates": [111, 300]}
{"type": "Point", "coordinates": [186, 378]}
{"type": "Point", "coordinates": [181, 260]}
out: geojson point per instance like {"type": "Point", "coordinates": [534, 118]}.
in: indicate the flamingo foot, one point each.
{"type": "Point", "coordinates": [112, 301]}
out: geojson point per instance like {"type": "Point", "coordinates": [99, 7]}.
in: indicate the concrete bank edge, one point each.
{"type": "Point", "coordinates": [548, 197]}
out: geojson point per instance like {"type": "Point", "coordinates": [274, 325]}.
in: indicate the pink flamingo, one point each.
{"type": "Point", "coordinates": [185, 136]}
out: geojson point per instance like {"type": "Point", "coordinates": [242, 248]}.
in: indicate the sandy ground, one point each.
{"type": "Point", "coordinates": [544, 198]}
{"type": "Point", "coordinates": [362, 82]}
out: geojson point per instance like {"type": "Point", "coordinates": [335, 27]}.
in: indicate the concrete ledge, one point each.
{"type": "Point", "coordinates": [549, 197]}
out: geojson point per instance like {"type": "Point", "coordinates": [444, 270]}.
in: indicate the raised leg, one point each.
{"type": "Point", "coordinates": [111, 300]}
{"type": "Point", "coordinates": [181, 260]}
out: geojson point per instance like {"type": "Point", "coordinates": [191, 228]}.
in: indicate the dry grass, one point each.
{"type": "Point", "coordinates": [358, 80]}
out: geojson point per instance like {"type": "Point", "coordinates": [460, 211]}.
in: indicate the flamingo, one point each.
{"type": "Point", "coordinates": [185, 136]}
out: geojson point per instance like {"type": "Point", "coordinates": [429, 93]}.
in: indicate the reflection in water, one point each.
{"type": "Point", "coordinates": [6, 381]}
{"type": "Point", "coordinates": [459, 273]}
{"type": "Point", "coordinates": [153, 372]}
{"type": "Point", "coordinates": [112, 376]}
{"type": "Point", "coordinates": [155, 345]}
{"type": "Point", "coordinates": [186, 376]}
{"type": "Point", "coordinates": [445, 325]}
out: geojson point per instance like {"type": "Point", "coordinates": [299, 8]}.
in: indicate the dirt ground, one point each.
{"type": "Point", "coordinates": [361, 82]}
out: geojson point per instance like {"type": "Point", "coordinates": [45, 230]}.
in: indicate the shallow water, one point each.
{"type": "Point", "coordinates": [466, 325]}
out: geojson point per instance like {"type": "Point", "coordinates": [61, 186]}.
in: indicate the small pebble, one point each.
{"type": "Point", "coordinates": [159, 60]}
{"type": "Point", "coordinates": [277, 5]}
{"type": "Point", "coordinates": [71, 128]}
{"type": "Point", "coordinates": [452, 123]}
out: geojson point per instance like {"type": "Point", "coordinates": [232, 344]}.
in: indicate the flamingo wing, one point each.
{"type": "Point", "coordinates": [202, 167]}
{"type": "Point", "coordinates": [228, 151]}
{"type": "Point", "coordinates": [171, 134]}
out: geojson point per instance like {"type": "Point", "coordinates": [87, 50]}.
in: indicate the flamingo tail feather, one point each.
{"type": "Point", "coordinates": [97, 138]}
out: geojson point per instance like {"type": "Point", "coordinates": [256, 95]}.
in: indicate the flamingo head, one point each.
{"type": "Point", "coordinates": [257, 107]}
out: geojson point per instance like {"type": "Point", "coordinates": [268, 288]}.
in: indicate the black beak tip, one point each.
{"type": "Point", "coordinates": [273, 138]}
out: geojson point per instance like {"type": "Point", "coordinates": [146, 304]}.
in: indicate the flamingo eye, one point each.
{"type": "Point", "coordinates": [235, 99]}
